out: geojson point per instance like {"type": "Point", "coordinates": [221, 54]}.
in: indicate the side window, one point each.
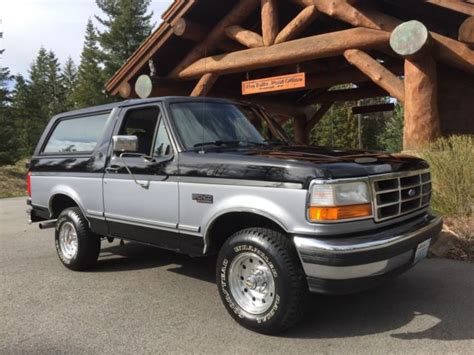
{"type": "Point", "coordinates": [162, 142]}
{"type": "Point", "coordinates": [76, 134]}
{"type": "Point", "coordinates": [141, 123]}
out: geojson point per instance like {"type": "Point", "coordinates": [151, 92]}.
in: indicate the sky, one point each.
{"type": "Point", "coordinates": [57, 25]}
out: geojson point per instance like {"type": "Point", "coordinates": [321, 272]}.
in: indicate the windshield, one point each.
{"type": "Point", "coordinates": [213, 123]}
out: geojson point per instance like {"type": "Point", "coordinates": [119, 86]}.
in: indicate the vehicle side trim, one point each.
{"type": "Point", "coordinates": [237, 182]}
{"type": "Point", "coordinates": [140, 221]}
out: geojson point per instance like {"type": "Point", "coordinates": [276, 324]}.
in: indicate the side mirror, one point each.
{"type": "Point", "coordinates": [125, 144]}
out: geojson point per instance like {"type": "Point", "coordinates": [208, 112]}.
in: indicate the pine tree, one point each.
{"type": "Point", "coordinates": [23, 110]}
{"type": "Point", "coordinates": [68, 80]}
{"type": "Point", "coordinates": [89, 85]}
{"type": "Point", "coordinates": [391, 138]}
{"type": "Point", "coordinates": [36, 100]}
{"type": "Point", "coordinates": [338, 128]}
{"type": "Point", "coordinates": [127, 24]}
{"type": "Point", "coordinates": [9, 143]}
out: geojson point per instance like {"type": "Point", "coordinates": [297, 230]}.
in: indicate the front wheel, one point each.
{"type": "Point", "coordinates": [77, 247]}
{"type": "Point", "coordinates": [260, 280]}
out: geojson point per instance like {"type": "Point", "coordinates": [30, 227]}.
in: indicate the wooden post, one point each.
{"type": "Point", "coordinates": [292, 52]}
{"type": "Point", "coordinates": [422, 124]}
{"type": "Point", "coordinates": [236, 16]}
{"type": "Point", "coordinates": [377, 73]}
{"type": "Point", "coordinates": [421, 104]}
{"type": "Point", "coordinates": [300, 132]}
{"type": "Point", "coordinates": [297, 25]}
{"type": "Point", "coordinates": [270, 26]}
{"type": "Point", "coordinates": [466, 32]}
{"type": "Point", "coordinates": [204, 85]}
{"type": "Point", "coordinates": [245, 37]}
{"type": "Point", "coordinates": [318, 115]}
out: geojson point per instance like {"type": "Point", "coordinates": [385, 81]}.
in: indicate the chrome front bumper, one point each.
{"type": "Point", "coordinates": [363, 257]}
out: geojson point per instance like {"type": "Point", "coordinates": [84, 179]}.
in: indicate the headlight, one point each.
{"type": "Point", "coordinates": [339, 201]}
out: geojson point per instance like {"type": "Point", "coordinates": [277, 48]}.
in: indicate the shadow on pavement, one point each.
{"type": "Point", "coordinates": [439, 293]}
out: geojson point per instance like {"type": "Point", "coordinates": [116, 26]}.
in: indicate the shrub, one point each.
{"type": "Point", "coordinates": [452, 168]}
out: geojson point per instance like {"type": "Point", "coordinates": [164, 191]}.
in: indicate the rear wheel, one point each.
{"type": "Point", "coordinates": [260, 280]}
{"type": "Point", "coordinates": [77, 247]}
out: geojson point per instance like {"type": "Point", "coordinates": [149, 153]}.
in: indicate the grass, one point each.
{"type": "Point", "coordinates": [451, 161]}
{"type": "Point", "coordinates": [13, 179]}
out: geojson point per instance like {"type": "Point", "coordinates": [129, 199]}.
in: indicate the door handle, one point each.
{"type": "Point", "coordinates": [112, 169]}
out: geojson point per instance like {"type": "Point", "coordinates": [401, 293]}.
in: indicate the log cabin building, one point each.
{"type": "Point", "coordinates": [419, 52]}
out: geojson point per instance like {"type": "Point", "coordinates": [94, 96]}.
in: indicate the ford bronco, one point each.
{"type": "Point", "coordinates": [212, 176]}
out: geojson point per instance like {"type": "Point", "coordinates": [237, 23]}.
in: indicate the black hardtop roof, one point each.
{"type": "Point", "coordinates": [136, 102]}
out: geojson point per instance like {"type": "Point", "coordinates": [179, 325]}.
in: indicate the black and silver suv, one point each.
{"type": "Point", "coordinates": [219, 177]}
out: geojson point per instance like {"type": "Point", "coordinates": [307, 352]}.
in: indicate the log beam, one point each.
{"type": "Point", "coordinates": [458, 6]}
{"type": "Point", "coordinates": [359, 110]}
{"type": "Point", "coordinates": [309, 48]}
{"type": "Point", "coordinates": [411, 40]}
{"type": "Point", "coordinates": [344, 76]}
{"type": "Point", "coordinates": [446, 49]}
{"type": "Point", "coordinates": [236, 16]}
{"type": "Point", "coordinates": [204, 85]}
{"type": "Point", "coordinates": [346, 95]}
{"type": "Point", "coordinates": [297, 25]}
{"type": "Point", "coordinates": [377, 73]}
{"type": "Point", "coordinates": [245, 37]}
{"type": "Point", "coordinates": [270, 26]}
{"type": "Point", "coordinates": [147, 86]}
{"type": "Point", "coordinates": [466, 32]}
{"type": "Point", "coordinates": [195, 32]}
{"type": "Point", "coordinates": [318, 115]}
{"type": "Point", "coordinates": [125, 90]}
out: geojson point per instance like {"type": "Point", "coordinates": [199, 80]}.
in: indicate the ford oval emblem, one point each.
{"type": "Point", "coordinates": [411, 192]}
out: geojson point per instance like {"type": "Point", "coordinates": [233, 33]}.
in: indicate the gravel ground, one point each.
{"type": "Point", "coordinates": [144, 300]}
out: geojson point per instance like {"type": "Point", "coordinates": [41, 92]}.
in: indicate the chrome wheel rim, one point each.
{"type": "Point", "coordinates": [251, 283]}
{"type": "Point", "coordinates": [68, 242]}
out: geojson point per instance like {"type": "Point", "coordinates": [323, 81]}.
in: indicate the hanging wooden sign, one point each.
{"type": "Point", "coordinates": [276, 83]}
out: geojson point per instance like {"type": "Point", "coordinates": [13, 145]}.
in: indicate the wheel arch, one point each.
{"type": "Point", "coordinates": [225, 223]}
{"type": "Point", "coordinates": [61, 199]}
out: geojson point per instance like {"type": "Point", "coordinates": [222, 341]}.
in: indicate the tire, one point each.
{"type": "Point", "coordinates": [77, 247]}
{"type": "Point", "coordinates": [261, 281]}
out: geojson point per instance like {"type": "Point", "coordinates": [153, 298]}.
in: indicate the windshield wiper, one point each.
{"type": "Point", "coordinates": [218, 143]}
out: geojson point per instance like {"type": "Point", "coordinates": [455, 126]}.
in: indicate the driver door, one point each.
{"type": "Point", "coordinates": [141, 203]}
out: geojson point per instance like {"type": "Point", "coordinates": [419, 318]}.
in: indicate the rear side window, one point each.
{"type": "Point", "coordinates": [76, 135]}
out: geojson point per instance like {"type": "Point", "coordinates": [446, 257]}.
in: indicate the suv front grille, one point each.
{"type": "Point", "coordinates": [399, 194]}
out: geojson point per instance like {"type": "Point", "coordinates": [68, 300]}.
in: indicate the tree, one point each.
{"type": "Point", "coordinates": [126, 25]}
{"type": "Point", "coordinates": [391, 138]}
{"type": "Point", "coordinates": [9, 142]}
{"type": "Point", "coordinates": [90, 80]}
{"type": "Point", "coordinates": [36, 100]}
{"type": "Point", "coordinates": [68, 80]}
{"type": "Point", "coordinates": [338, 128]}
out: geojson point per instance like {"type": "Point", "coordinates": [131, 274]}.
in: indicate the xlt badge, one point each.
{"type": "Point", "coordinates": [202, 198]}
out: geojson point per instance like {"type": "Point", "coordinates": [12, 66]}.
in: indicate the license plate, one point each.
{"type": "Point", "coordinates": [422, 250]}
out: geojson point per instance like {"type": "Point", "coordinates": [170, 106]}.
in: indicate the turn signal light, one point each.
{"type": "Point", "coordinates": [340, 212]}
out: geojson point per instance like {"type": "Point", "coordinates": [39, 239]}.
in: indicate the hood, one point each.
{"type": "Point", "coordinates": [294, 163]}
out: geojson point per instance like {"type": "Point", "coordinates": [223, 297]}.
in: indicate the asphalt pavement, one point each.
{"type": "Point", "coordinates": [144, 300]}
